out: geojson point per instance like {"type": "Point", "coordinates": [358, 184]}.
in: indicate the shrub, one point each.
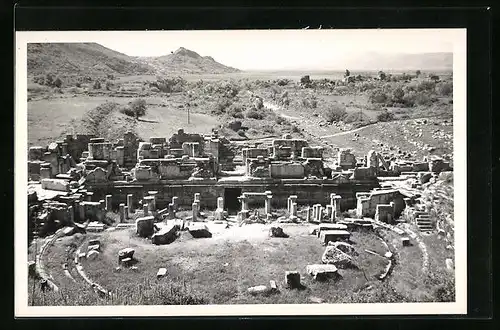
{"type": "Point", "coordinates": [255, 114]}
{"type": "Point", "coordinates": [136, 108]}
{"type": "Point", "coordinates": [426, 85]}
{"type": "Point", "coordinates": [97, 84]}
{"type": "Point", "coordinates": [280, 120]}
{"type": "Point", "coordinates": [258, 103]}
{"type": "Point", "coordinates": [378, 97]}
{"type": "Point", "coordinates": [109, 84]}
{"type": "Point", "coordinates": [335, 112]}
{"type": "Point", "coordinates": [169, 85]}
{"type": "Point", "coordinates": [241, 132]}
{"type": "Point", "coordinates": [221, 105]}
{"type": "Point", "coordinates": [235, 110]}
{"type": "Point", "coordinates": [385, 116]}
{"type": "Point", "coordinates": [305, 80]}
{"type": "Point", "coordinates": [78, 84]}
{"type": "Point", "coordinates": [422, 99]}
{"type": "Point", "coordinates": [398, 94]}
{"type": "Point", "coordinates": [57, 83]}
{"type": "Point", "coordinates": [445, 88]}
{"type": "Point", "coordinates": [235, 125]}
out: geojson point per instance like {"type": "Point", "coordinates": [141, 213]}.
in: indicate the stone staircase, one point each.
{"type": "Point", "coordinates": [423, 221]}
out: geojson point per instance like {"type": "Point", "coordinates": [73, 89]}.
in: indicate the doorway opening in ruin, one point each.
{"type": "Point", "coordinates": [231, 201]}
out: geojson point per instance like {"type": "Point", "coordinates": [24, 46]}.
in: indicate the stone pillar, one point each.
{"type": "Point", "coordinates": [220, 203]}
{"type": "Point", "coordinates": [171, 211]}
{"type": "Point", "coordinates": [71, 213]}
{"type": "Point", "coordinates": [89, 196]}
{"type": "Point", "coordinates": [292, 199]}
{"type": "Point", "coordinates": [329, 211]}
{"type": "Point", "coordinates": [175, 203]}
{"type": "Point", "coordinates": [109, 198]}
{"type": "Point", "coordinates": [195, 211]}
{"type": "Point", "coordinates": [130, 203]}
{"type": "Point", "coordinates": [267, 205]}
{"type": "Point", "coordinates": [153, 194]}
{"type": "Point", "coordinates": [145, 209]}
{"type": "Point", "coordinates": [288, 206]}
{"type": "Point", "coordinates": [150, 200]}
{"type": "Point", "coordinates": [293, 210]}
{"type": "Point", "coordinates": [126, 209]}
{"type": "Point", "coordinates": [244, 202]}
{"type": "Point", "coordinates": [320, 213]}
{"type": "Point", "coordinates": [81, 210]}
{"type": "Point", "coordinates": [122, 212]}
{"type": "Point", "coordinates": [197, 197]}
{"type": "Point", "coordinates": [308, 214]}
{"type": "Point", "coordinates": [336, 206]}
{"type": "Point", "coordinates": [102, 204]}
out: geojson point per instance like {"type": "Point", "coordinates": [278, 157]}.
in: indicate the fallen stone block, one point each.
{"type": "Point", "coordinates": [165, 235]}
{"type": "Point", "coordinates": [93, 247]}
{"type": "Point", "coordinates": [322, 272]}
{"type": "Point", "coordinates": [259, 289]}
{"type": "Point", "coordinates": [126, 262]}
{"type": "Point", "coordinates": [330, 226]}
{"type": "Point", "coordinates": [144, 227]}
{"type": "Point", "coordinates": [199, 230]}
{"type": "Point", "coordinates": [292, 280]}
{"type": "Point", "coordinates": [92, 254]}
{"type": "Point", "coordinates": [334, 235]}
{"type": "Point", "coordinates": [277, 232]}
{"type": "Point", "coordinates": [161, 273]}
{"type": "Point", "coordinates": [334, 256]}
{"type": "Point", "coordinates": [125, 253]}
{"type": "Point", "coordinates": [344, 247]}
{"type": "Point", "coordinates": [55, 184]}
{"type": "Point", "coordinates": [274, 286]}
{"type": "Point", "coordinates": [405, 241]}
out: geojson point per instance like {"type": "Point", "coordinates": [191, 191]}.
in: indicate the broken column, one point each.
{"type": "Point", "coordinates": [150, 200]}
{"type": "Point", "coordinates": [71, 213]}
{"type": "Point", "coordinates": [171, 211]}
{"type": "Point", "coordinates": [329, 211]}
{"type": "Point", "coordinates": [129, 203]}
{"type": "Point", "coordinates": [126, 210]}
{"type": "Point", "coordinates": [335, 202]}
{"type": "Point", "coordinates": [122, 212]}
{"type": "Point", "coordinates": [108, 202]}
{"type": "Point", "coordinates": [308, 214]}
{"type": "Point", "coordinates": [81, 211]}
{"type": "Point", "coordinates": [194, 211]}
{"type": "Point", "coordinates": [174, 202]}
{"type": "Point", "coordinates": [267, 204]}
{"type": "Point", "coordinates": [292, 199]}
{"type": "Point", "coordinates": [197, 197]}
{"type": "Point", "coordinates": [89, 196]}
{"type": "Point", "coordinates": [219, 212]}
{"type": "Point", "coordinates": [293, 211]}
{"type": "Point", "coordinates": [102, 204]}
{"type": "Point", "coordinates": [244, 202]}
{"type": "Point", "coordinates": [145, 209]}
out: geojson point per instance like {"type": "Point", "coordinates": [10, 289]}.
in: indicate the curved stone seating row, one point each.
{"type": "Point", "coordinates": [94, 285]}
{"type": "Point", "coordinates": [39, 266]}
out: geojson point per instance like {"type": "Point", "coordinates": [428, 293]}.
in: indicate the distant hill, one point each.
{"type": "Point", "coordinates": [424, 61]}
{"type": "Point", "coordinates": [81, 58]}
{"type": "Point", "coordinates": [185, 61]}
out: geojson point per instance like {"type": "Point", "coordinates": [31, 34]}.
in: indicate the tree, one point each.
{"type": "Point", "coordinates": [398, 94]}
{"type": "Point", "coordinates": [57, 83]}
{"type": "Point", "coordinates": [418, 73]}
{"type": "Point", "coordinates": [347, 73]}
{"type": "Point", "coordinates": [138, 107]}
{"type": "Point", "coordinates": [381, 75]}
{"type": "Point", "coordinates": [305, 80]}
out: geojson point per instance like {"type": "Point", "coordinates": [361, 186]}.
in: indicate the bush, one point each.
{"type": "Point", "coordinates": [136, 108]}
{"type": "Point", "coordinates": [426, 85]}
{"type": "Point", "coordinates": [255, 114]}
{"type": "Point", "coordinates": [97, 84]}
{"type": "Point", "coordinates": [235, 125]}
{"type": "Point", "coordinates": [57, 83]}
{"type": "Point", "coordinates": [335, 112]}
{"type": "Point", "coordinates": [385, 116]}
{"type": "Point", "coordinates": [398, 94]}
{"type": "Point", "coordinates": [422, 99]}
{"type": "Point", "coordinates": [445, 88]}
{"type": "Point", "coordinates": [378, 97]}
{"type": "Point", "coordinates": [221, 105]}
{"type": "Point", "coordinates": [235, 110]}
{"type": "Point", "coordinates": [258, 103]}
{"type": "Point", "coordinates": [241, 132]}
{"type": "Point", "coordinates": [169, 85]}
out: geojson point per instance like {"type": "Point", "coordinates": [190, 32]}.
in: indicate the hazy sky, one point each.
{"type": "Point", "coordinates": [271, 49]}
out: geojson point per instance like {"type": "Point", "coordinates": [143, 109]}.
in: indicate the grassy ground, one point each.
{"type": "Point", "coordinates": [219, 270]}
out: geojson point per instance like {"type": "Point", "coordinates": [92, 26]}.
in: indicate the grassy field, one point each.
{"type": "Point", "coordinates": [220, 269]}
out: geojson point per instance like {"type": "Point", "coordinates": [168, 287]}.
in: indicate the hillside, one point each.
{"type": "Point", "coordinates": [185, 61]}
{"type": "Point", "coordinates": [66, 59]}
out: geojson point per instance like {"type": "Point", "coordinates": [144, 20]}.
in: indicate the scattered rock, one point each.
{"type": "Point", "coordinates": [322, 272]}
{"type": "Point", "coordinates": [277, 232]}
{"type": "Point", "coordinates": [161, 272]}
{"type": "Point", "coordinates": [92, 254]}
{"type": "Point", "coordinates": [388, 255]}
{"type": "Point", "coordinates": [199, 230]}
{"type": "Point", "coordinates": [125, 253]}
{"type": "Point", "coordinates": [165, 235]}
{"type": "Point", "coordinates": [260, 289]}
{"type": "Point", "coordinates": [316, 300]}
{"type": "Point", "coordinates": [292, 280]}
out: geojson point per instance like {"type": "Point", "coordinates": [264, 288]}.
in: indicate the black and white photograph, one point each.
{"type": "Point", "coordinates": [241, 172]}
